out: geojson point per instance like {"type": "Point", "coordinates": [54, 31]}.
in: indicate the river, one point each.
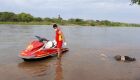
{"type": "Point", "coordinates": [90, 57]}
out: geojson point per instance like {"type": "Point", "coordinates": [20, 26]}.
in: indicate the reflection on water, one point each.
{"type": "Point", "coordinates": [36, 69]}
{"type": "Point", "coordinates": [42, 68]}
{"type": "Point", "coordinates": [58, 70]}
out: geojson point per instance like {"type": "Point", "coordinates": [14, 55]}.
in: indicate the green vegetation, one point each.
{"type": "Point", "coordinates": [28, 19]}
{"type": "Point", "coordinates": [136, 2]}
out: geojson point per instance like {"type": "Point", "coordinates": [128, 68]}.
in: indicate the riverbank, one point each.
{"type": "Point", "coordinates": [26, 23]}
{"type": "Point", "coordinates": [28, 19]}
{"type": "Point", "coordinates": [66, 23]}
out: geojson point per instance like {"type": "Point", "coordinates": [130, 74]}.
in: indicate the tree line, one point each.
{"type": "Point", "coordinates": [22, 17]}
{"type": "Point", "coordinates": [25, 18]}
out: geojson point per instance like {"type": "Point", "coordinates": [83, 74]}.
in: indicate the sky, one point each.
{"type": "Point", "coordinates": [113, 10]}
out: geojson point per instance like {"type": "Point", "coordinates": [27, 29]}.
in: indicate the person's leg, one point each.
{"type": "Point", "coordinates": [59, 46]}
{"type": "Point", "coordinates": [59, 53]}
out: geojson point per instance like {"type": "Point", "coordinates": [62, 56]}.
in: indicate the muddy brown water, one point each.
{"type": "Point", "coordinates": [90, 56]}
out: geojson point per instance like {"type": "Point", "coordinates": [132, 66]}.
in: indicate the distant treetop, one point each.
{"type": "Point", "coordinates": [136, 2]}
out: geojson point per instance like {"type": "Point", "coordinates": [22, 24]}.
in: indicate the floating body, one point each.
{"type": "Point", "coordinates": [124, 58]}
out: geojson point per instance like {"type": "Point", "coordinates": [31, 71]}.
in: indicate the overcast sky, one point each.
{"type": "Point", "coordinates": [113, 10]}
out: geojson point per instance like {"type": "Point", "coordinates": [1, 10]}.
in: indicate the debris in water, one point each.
{"type": "Point", "coordinates": [124, 58]}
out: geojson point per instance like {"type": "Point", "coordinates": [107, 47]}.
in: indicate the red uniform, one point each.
{"type": "Point", "coordinates": [59, 38]}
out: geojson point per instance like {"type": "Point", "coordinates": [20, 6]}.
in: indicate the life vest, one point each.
{"type": "Point", "coordinates": [59, 36]}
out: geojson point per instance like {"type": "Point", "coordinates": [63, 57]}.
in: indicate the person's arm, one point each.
{"type": "Point", "coordinates": [65, 43]}
{"type": "Point", "coordinates": [63, 38]}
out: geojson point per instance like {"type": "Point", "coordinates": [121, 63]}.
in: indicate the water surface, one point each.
{"type": "Point", "coordinates": [90, 57]}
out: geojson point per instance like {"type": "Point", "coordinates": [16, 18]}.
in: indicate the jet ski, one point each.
{"type": "Point", "coordinates": [40, 48]}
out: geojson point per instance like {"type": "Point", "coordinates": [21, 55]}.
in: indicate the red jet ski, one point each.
{"type": "Point", "coordinates": [40, 48]}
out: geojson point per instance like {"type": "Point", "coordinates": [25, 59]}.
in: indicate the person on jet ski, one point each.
{"type": "Point", "coordinates": [59, 37]}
